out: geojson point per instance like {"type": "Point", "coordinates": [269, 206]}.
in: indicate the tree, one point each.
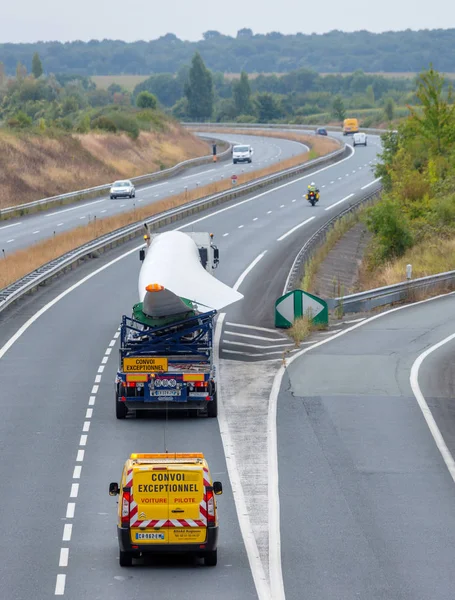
{"type": "Point", "coordinates": [389, 109]}
{"type": "Point", "coordinates": [338, 110]}
{"type": "Point", "coordinates": [37, 66]}
{"type": "Point", "coordinates": [199, 90]}
{"type": "Point", "coordinates": [146, 100]}
{"type": "Point", "coordinates": [245, 33]}
{"type": "Point", "coordinates": [21, 71]}
{"type": "Point", "coordinates": [436, 120]}
{"type": "Point", "coordinates": [242, 95]}
{"type": "Point", "coordinates": [268, 107]}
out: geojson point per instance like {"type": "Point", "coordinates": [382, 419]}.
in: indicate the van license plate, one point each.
{"type": "Point", "coordinates": [150, 536]}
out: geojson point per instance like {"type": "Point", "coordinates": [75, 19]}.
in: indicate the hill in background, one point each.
{"type": "Point", "coordinates": [333, 52]}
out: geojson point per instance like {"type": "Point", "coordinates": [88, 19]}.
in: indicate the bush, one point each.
{"type": "Point", "coordinates": [246, 119]}
{"type": "Point", "coordinates": [151, 119]}
{"type": "Point", "coordinates": [125, 123]}
{"type": "Point", "coordinates": [391, 228]}
{"type": "Point", "coordinates": [146, 100]}
{"type": "Point", "coordinates": [20, 120]}
{"type": "Point", "coordinates": [104, 123]}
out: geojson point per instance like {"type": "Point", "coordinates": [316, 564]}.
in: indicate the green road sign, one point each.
{"type": "Point", "coordinates": [298, 303]}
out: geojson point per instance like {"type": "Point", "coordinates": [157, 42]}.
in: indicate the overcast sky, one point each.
{"type": "Point", "coordinates": [32, 20]}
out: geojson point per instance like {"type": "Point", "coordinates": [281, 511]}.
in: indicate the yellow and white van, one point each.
{"type": "Point", "coordinates": [167, 504]}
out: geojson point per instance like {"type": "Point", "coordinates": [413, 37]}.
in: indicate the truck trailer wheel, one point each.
{"type": "Point", "coordinates": [125, 559]}
{"type": "Point", "coordinates": [120, 409]}
{"type": "Point", "coordinates": [212, 407]}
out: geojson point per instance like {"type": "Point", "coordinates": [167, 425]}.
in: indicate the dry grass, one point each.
{"type": "Point", "coordinates": [37, 166]}
{"type": "Point", "coordinates": [427, 258]}
{"type": "Point", "coordinates": [300, 329]}
{"type": "Point", "coordinates": [18, 264]}
{"type": "Point", "coordinates": [129, 82]}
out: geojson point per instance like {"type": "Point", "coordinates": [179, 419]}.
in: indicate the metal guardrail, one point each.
{"type": "Point", "coordinates": [318, 238]}
{"type": "Point", "coordinates": [89, 193]}
{"type": "Point", "coordinates": [391, 294]}
{"type": "Point", "coordinates": [283, 126]}
{"type": "Point", "coordinates": [60, 265]}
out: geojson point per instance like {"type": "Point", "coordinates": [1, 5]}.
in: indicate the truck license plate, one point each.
{"type": "Point", "coordinates": [165, 392]}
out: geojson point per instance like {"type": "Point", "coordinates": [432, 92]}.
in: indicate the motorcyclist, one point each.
{"type": "Point", "coordinates": [312, 188]}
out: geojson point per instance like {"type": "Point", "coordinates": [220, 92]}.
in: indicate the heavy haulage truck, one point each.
{"type": "Point", "coordinates": [166, 346]}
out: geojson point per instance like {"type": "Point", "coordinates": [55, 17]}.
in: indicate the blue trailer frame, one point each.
{"type": "Point", "coordinates": [188, 383]}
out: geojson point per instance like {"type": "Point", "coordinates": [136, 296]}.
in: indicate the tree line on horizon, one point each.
{"type": "Point", "coordinates": [293, 97]}
{"type": "Point", "coordinates": [333, 52]}
{"type": "Point", "coordinates": [195, 93]}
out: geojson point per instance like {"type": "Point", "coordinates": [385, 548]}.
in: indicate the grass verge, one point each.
{"type": "Point", "coordinates": [427, 258]}
{"type": "Point", "coordinates": [16, 265]}
{"type": "Point", "coordinates": [35, 166]}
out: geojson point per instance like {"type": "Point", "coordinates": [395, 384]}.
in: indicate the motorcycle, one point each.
{"type": "Point", "coordinates": [312, 197]}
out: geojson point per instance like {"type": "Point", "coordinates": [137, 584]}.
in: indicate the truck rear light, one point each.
{"type": "Point", "coordinates": [123, 399]}
{"type": "Point", "coordinates": [210, 507]}
{"type": "Point", "coordinates": [200, 384]}
{"type": "Point", "coordinates": [126, 508]}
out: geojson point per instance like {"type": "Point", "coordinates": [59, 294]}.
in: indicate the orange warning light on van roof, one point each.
{"type": "Point", "coordinates": [166, 455]}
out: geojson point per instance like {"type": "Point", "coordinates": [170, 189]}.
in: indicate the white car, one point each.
{"type": "Point", "coordinates": [122, 189]}
{"type": "Point", "coordinates": [360, 139]}
{"type": "Point", "coordinates": [242, 154]}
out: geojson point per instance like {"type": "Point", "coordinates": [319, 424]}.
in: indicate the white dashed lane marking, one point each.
{"type": "Point", "coordinates": [77, 472]}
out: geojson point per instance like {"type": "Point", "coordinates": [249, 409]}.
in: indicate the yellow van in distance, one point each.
{"type": "Point", "coordinates": [350, 126]}
{"type": "Point", "coordinates": [167, 504]}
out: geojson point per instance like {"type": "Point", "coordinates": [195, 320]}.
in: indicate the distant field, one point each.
{"type": "Point", "coordinates": [129, 82]}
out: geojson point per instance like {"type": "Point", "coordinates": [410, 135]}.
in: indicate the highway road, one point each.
{"type": "Point", "coordinates": [361, 472]}
{"type": "Point", "coordinates": [24, 231]}
{"type": "Point", "coordinates": [61, 444]}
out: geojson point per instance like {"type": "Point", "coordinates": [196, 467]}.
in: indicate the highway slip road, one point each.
{"type": "Point", "coordinates": [61, 444]}
{"type": "Point", "coordinates": [367, 498]}
{"type": "Point", "coordinates": [24, 231]}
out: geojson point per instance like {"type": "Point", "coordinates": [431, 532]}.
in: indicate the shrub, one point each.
{"type": "Point", "coordinates": [20, 120]}
{"type": "Point", "coordinates": [104, 123]}
{"type": "Point", "coordinates": [125, 123]}
{"type": "Point", "coordinates": [391, 228]}
{"type": "Point", "coordinates": [146, 100]}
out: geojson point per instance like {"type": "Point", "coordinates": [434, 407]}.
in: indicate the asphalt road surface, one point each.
{"type": "Point", "coordinates": [60, 441]}
{"type": "Point", "coordinates": [367, 502]}
{"type": "Point", "coordinates": [24, 231]}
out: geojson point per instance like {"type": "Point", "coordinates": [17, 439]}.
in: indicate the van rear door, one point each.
{"type": "Point", "coordinates": [149, 508]}
{"type": "Point", "coordinates": [187, 511]}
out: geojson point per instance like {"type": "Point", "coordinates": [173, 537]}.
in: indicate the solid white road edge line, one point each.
{"type": "Point", "coordinates": [256, 566]}
{"type": "Point", "coordinates": [257, 569]}
{"type": "Point", "coordinates": [274, 519]}
{"type": "Point", "coordinates": [432, 426]}
{"type": "Point", "coordinates": [371, 183]}
{"type": "Point", "coordinates": [339, 202]}
{"type": "Point", "coordinates": [285, 235]}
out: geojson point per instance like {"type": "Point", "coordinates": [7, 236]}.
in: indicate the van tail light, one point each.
{"type": "Point", "coordinates": [126, 508]}
{"type": "Point", "coordinates": [210, 507]}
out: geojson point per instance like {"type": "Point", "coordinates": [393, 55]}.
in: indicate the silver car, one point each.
{"type": "Point", "coordinates": [122, 189]}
